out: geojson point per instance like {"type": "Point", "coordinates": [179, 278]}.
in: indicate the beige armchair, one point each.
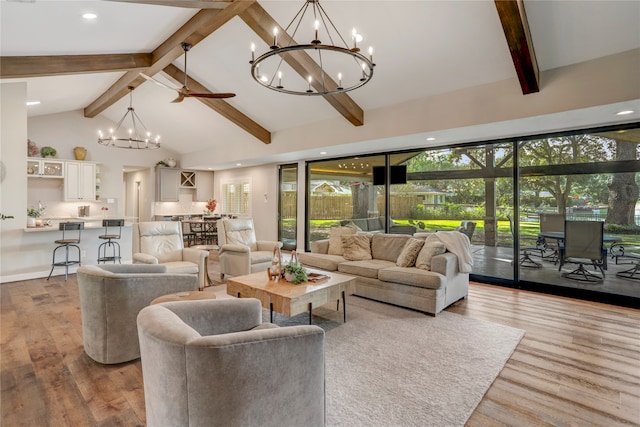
{"type": "Point", "coordinates": [240, 252]}
{"type": "Point", "coordinates": [214, 363]}
{"type": "Point", "coordinates": [111, 296]}
{"type": "Point", "coordinates": [161, 242]}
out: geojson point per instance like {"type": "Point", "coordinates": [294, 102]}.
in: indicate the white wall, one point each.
{"type": "Point", "coordinates": [264, 200]}
{"type": "Point", "coordinates": [27, 255]}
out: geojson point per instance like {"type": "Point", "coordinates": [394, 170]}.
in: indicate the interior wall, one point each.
{"type": "Point", "coordinates": [13, 187]}
{"type": "Point", "coordinates": [65, 131]}
{"type": "Point", "coordinates": [264, 200]}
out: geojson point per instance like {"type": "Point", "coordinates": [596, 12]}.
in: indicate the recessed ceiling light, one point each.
{"type": "Point", "coordinates": [89, 16]}
{"type": "Point", "coordinates": [323, 153]}
{"type": "Point", "coordinates": [431, 138]}
{"type": "Point", "coordinates": [30, 103]}
{"type": "Point", "coordinates": [624, 113]}
{"type": "Point", "coordinates": [210, 169]}
{"type": "Point", "coordinates": [238, 164]}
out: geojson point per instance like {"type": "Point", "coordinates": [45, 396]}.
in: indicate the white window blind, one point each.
{"type": "Point", "coordinates": [236, 197]}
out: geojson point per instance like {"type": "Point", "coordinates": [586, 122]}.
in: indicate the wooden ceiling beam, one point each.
{"type": "Point", "coordinates": [40, 66]}
{"type": "Point", "coordinates": [195, 30]}
{"type": "Point", "coordinates": [220, 106]}
{"type": "Point", "coordinates": [262, 23]}
{"type": "Point", "coordinates": [192, 4]}
{"type": "Point", "coordinates": [516, 30]}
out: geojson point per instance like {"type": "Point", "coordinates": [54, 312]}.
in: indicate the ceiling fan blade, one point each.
{"type": "Point", "coordinates": [210, 95]}
{"type": "Point", "coordinates": [179, 98]}
{"type": "Point", "coordinates": [151, 79]}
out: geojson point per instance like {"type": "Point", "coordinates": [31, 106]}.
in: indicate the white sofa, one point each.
{"type": "Point", "coordinates": [381, 279]}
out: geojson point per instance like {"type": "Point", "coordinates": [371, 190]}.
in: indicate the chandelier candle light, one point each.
{"type": "Point", "coordinates": [335, 60]}
{"type": "Point", "coordinates": [132, 139]}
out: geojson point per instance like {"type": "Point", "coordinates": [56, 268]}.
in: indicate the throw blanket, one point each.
{"type": "Point", "coordinates": [459, 244]}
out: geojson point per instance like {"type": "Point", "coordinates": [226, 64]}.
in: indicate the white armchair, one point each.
{"type": "Point", "coordinates": [161, 242]}
{"type": "Point", "coordinates": [240, 252]}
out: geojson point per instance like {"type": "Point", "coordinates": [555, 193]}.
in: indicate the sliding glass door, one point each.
{"type": "Point", "coordinates": [287, 206]}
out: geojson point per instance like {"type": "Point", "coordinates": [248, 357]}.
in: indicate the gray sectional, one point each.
{"type": "Point", "coordinates": [382, 280]}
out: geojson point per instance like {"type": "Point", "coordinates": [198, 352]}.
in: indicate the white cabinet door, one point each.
{"type": "Point", "coordinates": [167, 184]}
{"type": "Point", "coordinates": [80, 181]}
{"type": "Point", "coordinates": [204, 190]}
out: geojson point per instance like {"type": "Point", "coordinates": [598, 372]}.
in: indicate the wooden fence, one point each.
{"type": "Point", "coordinates": [331, 206]}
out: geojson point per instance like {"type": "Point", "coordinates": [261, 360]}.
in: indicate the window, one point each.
{"type": "Point", "coordinates": [236, 196]}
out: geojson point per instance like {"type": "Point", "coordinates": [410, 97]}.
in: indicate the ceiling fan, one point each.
{"type": "Point", "coordinates": [184, 91]}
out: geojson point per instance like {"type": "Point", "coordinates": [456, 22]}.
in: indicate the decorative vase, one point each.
{"type": "Point", "coordinates": [31, 222]}
{"type": "Point", "coordinates": [171, 162]}
{"type": "Point", "coordinates": [290, 277]}
{"type": "Point", "coordinates": [80, 153]}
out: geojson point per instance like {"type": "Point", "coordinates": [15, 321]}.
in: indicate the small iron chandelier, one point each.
{"type": "Point", "coordinates": [350, 67]}
{"type": "Point", "coordinates": [133, 138]}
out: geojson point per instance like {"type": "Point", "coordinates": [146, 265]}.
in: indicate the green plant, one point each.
{"type": "Point", "coordinates": [295, 269]}
{"type": "Point", "coordinates": [162, 163]}
{"type": "Point", "coordinates": [48, 151]}
{"type": "Point", "coordinates": [35, 212]}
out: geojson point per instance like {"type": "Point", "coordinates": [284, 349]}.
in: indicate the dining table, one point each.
{"type": "Point", "coordinates": [206, 229]}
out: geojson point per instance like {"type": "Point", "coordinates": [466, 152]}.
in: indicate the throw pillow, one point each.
{"type": "Point", "coordinates": [335, 239]}
{"type": "Point", "coordinates": [432, 247]}
{"type": "Point", "coordinates": [409, 253]}
{"type": "Point", "coordinates": [356, 247]}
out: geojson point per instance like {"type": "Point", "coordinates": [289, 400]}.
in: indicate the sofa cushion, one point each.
{"type": "Point", "coordinates": [432, 247]}
{"type": "Point", "coordinates": [335, 238]}
{"type": "Point", "coordinates": [356, 247]}
{"type": "Point", "coordinates": [367, 268]}
{"type": "Point", "coordinates": [387, 246]}
{"type": "Point", "coordinates": [412, 276]}
{"type": "Point", "coordinates": [240, 232]}
{"type": "Point", "coordinates": [258, 257]}
{"type": "Point", "coordinates": [407, 257]}
{"type": "Point", "coordinates": [322, 261]}
{"type": "Point", "coordinates": [181, 267]}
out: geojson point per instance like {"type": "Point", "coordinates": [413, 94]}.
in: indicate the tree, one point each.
{"type": "Point", "coordinates": [623, 189]}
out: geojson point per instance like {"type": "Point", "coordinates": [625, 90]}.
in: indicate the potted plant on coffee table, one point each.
{"type": "Point", "coordinates": [293, 271]}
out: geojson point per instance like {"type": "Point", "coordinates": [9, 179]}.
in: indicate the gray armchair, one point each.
{"type": "Point", "coordinates": [240, 252]}
{"type": "Point", "coordinates": [111, 297]}
{"type": "Point", "coordinates": [162, 242]}
{"type": "Point", "coordinates": [214, 363]}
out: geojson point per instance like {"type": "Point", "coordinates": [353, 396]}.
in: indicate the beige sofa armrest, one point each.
{"type": "Point", "coordinates": [268, 245]}
{"type": "Point", "coordinates": [320, 246]}
{"type": "Point", "coordinates": [196, 256]}
{"type": "Point", "coordinates": [144, 258]}
{"type": "Point", "coordinates": [234, 248]}
{"type": "Point", "coordinates": [445, 264]}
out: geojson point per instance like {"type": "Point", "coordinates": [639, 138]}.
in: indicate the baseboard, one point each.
{"type": "Point", "coordinates": [58, 271]}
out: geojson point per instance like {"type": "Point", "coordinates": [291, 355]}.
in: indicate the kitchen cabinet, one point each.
{"type": "Point", "coordinates": [80, 181]}
{"type": "Point", "coordinates": [42, 168]}
{"type": "Point", "coordinates": [204, 190]}
{"type": "Point", "coordinates": [167, 184]}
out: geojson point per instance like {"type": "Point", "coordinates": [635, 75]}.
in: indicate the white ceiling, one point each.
{"type": "Point", "coordinates": [422, 48]}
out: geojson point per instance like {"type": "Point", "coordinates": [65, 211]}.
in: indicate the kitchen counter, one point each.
{"type": "Point", "coordinates": [89, 223]}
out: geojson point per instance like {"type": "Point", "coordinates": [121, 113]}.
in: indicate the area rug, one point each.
{"type": "Point", "coordinates": [388, 366]}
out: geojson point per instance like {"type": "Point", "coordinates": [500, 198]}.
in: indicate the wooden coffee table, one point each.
{"type": "Point", "coordinates": [289, 299]}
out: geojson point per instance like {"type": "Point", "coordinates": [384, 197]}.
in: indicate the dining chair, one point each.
{"type": "Point", "coordinates": [552, 222]}
{"type": "Point", "coordinates": [583, 246]}
{"type": "Point", "coordinates": [524, 259]}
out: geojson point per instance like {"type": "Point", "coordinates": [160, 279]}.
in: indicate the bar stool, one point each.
{"type": "Point", "coordinates": [115, 246]}
{"type": "Point", "coordinates": [65, 243]}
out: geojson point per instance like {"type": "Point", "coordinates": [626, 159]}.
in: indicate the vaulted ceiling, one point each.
{"type": "Point", "coordinates": [422, 48]}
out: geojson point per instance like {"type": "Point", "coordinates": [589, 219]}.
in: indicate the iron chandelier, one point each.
{"type": "Point", "coordinates": [343, 62]}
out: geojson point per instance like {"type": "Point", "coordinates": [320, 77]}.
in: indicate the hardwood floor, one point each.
{"type": "Point", "coordinates": [578, 364]}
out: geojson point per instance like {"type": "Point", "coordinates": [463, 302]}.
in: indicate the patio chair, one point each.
{"type": "Point", "coordinates": [524, 259]}
{"type": "Point", "coordinates": [552, 222]}
{"type": "Point", "coordinates": [583, 245]}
